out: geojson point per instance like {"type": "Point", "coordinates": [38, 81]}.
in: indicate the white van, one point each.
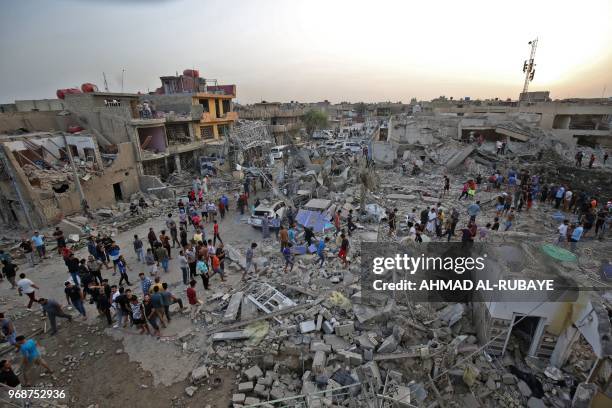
{"type": "Point", "coordinates": [352, 147]}
{"type": "Point", "coordinates": [277, 152]}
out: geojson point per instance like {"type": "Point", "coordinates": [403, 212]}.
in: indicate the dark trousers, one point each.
{"type": "Point", "coordinates": [217, 237]}
{"type": "Point", "coordinates": [192, 270]}
{"type": "Point", "coordinates": [32, 299]}
{"type": "Point", "coordinates": [125, 278]}
{"type": "Point", "coordinates": [52, 317]}
{"type": "Point", "coordinates": [185, 272]}
{"type": "Point", "coordinates": [106, 312]}
{"type": "Point", "coordinates": [167, 308]}
{"type": "Point", "coordinates": [175, 239]}
{"type": "Point", "coordinates": [205, 280]}
{"type": "Point", "coordinates": [97, 276]}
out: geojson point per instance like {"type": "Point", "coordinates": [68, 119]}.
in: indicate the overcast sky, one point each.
{"type": "Point", "coordinates": [309, 50]}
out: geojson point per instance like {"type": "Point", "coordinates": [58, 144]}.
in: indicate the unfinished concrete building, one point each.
{"type": "Point", "coordinates": [284, 120]}
{"type": "Point", "coordinates": [37, 182]}
{"type": "Point", "coordinates": [585, 122]}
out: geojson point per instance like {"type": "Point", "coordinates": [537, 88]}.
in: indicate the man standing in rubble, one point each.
{"type": "Point", "coordinates": [337, 222]}
{"type": "Point", "coordinates": [38, 240]}
{"type": "Point", "coordinates": [559, 195]}
{"type": "Point", "coordinates": [171, 225]}
{"type": "Point", "coordinates": [350, 224]}
{"type": "Point", "coordinates": [265, 227]}
{"type": "Point", "coordinates": [60, 239]}
{"type": "Point", "coordinates": [579, 156]}
{"type": "Point", "coordinates": [473, 210]}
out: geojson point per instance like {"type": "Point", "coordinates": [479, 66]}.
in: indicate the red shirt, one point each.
{"type": "Point", "coordinates": [216, 228]}
{"type": "Point", "coordinates": [191, 296]}
{"type": "Point", "coordinates": [215, 262]}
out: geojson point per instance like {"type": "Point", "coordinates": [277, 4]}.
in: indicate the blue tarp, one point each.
{"type": "Point", "coordinates": [313, 219]}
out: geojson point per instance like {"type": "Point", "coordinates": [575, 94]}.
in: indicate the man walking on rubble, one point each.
{"type": "Point", "coordinates": [52, 309]}
{"type": "Point", "coordinates": [579, 156]}
{"type": "Point", "coordinates": [336, 221]}
{"type": "Point", "coordinates": [446, 188]}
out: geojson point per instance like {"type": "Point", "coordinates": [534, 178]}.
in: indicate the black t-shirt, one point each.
{"type": "Point", "coordinates": [73, 265]}
{"type": "Point", "coordinates": [9, 270]}
{"type": "Point", "coordinates": [74, 293]}
{"type": "Point", "coordinates": [123, 303]}
{"type": "Point", "coordinates": [26, 246]}
{"type": "Point", "coordinates": [9, 378]}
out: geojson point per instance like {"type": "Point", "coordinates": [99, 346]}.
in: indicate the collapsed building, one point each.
{"type": "Point", "coordinates": [284, 121]}
{"type": "Point", "coordinates": [43, 172]}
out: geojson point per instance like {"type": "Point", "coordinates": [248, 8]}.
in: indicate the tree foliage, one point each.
{"type": "Point", "coordinates": [360, 108]}
{"type": "Point", "coordinates": [315, 119]}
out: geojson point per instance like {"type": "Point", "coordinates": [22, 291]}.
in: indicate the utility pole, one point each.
{"type": "Point", "coordinates": [529, 66]}
{"type": "Point", "coordinates": [122, 75]}
{"type": "Point", "coordinates": [9, 169]}
{"type": "Point", "coordinates": [105, 82]}
{"type": "Point", "coordinates": [84, 204]}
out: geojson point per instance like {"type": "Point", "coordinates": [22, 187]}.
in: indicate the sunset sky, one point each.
{"type": "Point", "coordinates": [309, 50]}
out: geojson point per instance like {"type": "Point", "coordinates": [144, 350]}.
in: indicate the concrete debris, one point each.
{"type": "Point", "coordinates": [315, 333]}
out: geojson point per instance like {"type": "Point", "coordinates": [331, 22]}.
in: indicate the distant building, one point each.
{"type": "Point", "coordinates": [284, 120]}
{"type": "Point", "coordinates": [537, 96]}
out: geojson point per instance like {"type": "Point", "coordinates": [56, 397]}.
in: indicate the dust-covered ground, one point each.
{"type": "Point", "coordinates": [97, 364]}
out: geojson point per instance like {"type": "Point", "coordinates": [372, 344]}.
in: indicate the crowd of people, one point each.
{"type": "Point", "coordinates": [514, 192]}
{"type": "Point", "coordinates": [200, 256]}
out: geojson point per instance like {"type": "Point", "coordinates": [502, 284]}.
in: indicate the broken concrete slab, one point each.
{"type": "Point", "coordinates": [459, 157]}
{"type": "Point", "coordinates": [327, 327]}
{"type": "Point", "coordinates": [238, 398]}
{"type": "Point", "coordinates": [524, 388]}
{"type": "Point", "coordinates": [318, 362]}
{"type": "Point", "coordinates": [336, 343]}
{"type": "Point", "coordinates": [245, 386]}
{"type": "Point", "coordinates": [535, 403]}
{"type": "Point", "coordinates": [389, 345]}
{"type": "Point", "coordinates": [231, 313]}
{"type": "Point", "coordinates": [307, 326]}
{"type": "Point", "coordinates": [199, 373]}
{"type": "Point", "coordinates": [227, 336]}
{"type": "Point", "coordinates": [248, 310]}
{"type": "Point", "coordinates": [253, 373]}
{"type": "Point", "coordinates": [345, 329]}
{"type": "Point", "coordinates": [320, 346]}
{"type": "Point", "coordinates": [585, 392]}
{"type": "Point", "coordinates": [350, 357]}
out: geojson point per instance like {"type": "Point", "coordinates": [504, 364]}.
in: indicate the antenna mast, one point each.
{"type": "Point", "coordinates": [105, 82]}
{"type": "Point", "coordinates": [529, 66]}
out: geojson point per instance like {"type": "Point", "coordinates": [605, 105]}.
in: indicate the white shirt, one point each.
{"type": "Point", "coordinates": [568, 195]}
{"type": "Point", "coordinates": [25, 285]}
{"type": "Point", "coordinates": [498, 144]}
{"type": "Point", "coordinates": [562, 229]}
{"type": "Point", "coordinates": [115, 296]}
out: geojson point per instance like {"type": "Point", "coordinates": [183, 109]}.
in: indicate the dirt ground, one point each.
{"type": "Point", "coordinates": [148, 372]}
{"type": "Point", "coordinates": [111, 380]}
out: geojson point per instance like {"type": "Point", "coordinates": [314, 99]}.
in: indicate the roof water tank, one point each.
{"type": "Point", "coordinates": [61, 93]}
{"type": "Point", "coordinates": [88, 87]}
{"type": "Point", "coordinates": [194, 73]}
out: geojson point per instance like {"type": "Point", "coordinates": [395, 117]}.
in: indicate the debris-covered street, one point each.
{"type": "Point", "coordinates": [170, 239]}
